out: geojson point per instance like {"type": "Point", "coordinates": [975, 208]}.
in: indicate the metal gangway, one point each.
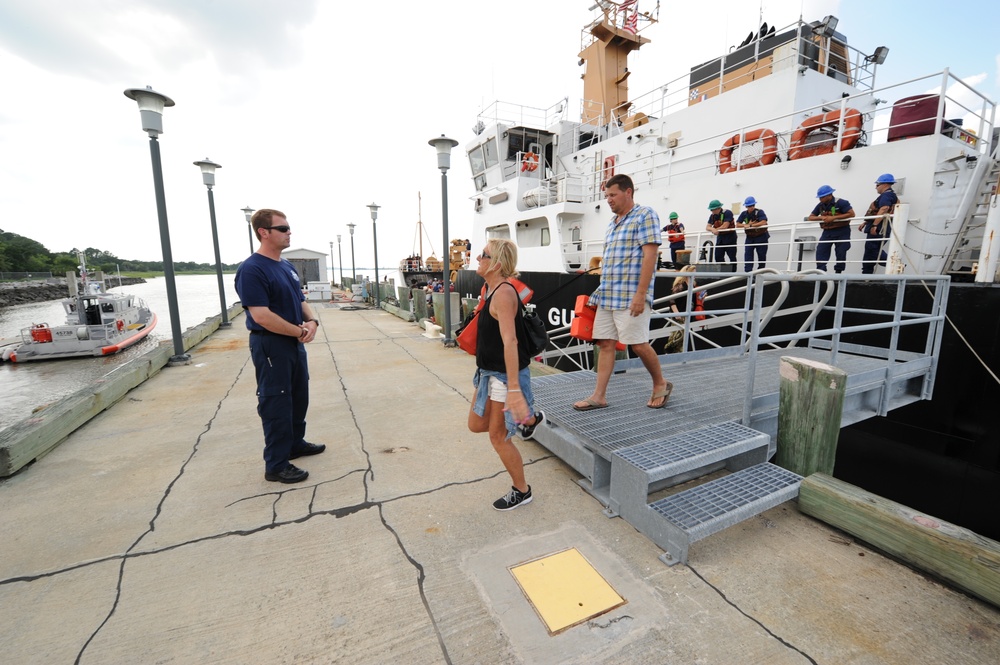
{"type": "Point", "coordinates": [723, 413]}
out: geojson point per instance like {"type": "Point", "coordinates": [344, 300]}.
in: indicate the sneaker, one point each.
{"type": "Point", "coordinates": [513, 499]}
{"type": "Point", "coordinates": [290, 474]}
{"type": "Point", "coordinates": [527, 431]}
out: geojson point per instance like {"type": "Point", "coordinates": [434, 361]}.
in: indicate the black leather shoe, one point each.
{"type": "Point", "coordinates": [308, 449]}
{"type": "Point", "coordinates": [290, 474]}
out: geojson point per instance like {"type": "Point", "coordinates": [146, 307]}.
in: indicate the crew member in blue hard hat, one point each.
{"type": "Point", "coordinates": [753, 221]}
{"type": "Point", "coordinates": [675, 236]}
{"type": "Point", "coordinates": [722, 225]}
{"type": "Point", "coordinates": [834, 217]}
{"type": "Point", "coordinates": [876, 225]}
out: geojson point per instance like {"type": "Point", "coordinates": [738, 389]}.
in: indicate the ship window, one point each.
{"type": "Point", "coordinates": [491, 153]}
{"type": "Point", "coordinates": [545, 237]}
{"type": "Point", "coordinates": [476, 160]}
{"type": "Point", "coordinates": [501, 231]}
{"type": "Point", "coordinates": [480, 181]}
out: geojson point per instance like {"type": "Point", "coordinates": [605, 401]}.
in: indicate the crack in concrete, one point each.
{"type": "Point", "coordinates": [336, 513]}
{"type": "Point", "coordinates": [754, 619]}
{"type": "Point", "coordinates": [156, 514]}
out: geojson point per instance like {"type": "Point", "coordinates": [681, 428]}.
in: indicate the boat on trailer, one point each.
{"type": "Point", "coordinates": [98, 323]}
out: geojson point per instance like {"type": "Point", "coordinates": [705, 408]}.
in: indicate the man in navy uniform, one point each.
{"type": "Point", "coordinates": [281, 323]}
{"type": "Point", "coordinates": [876, 225]}
{"type": "Point", "coordinates": [753, 220]}
{"type": "Point", "coordinates": [723, 227]}
{"type": "Point", "coordinates": [834, 216]}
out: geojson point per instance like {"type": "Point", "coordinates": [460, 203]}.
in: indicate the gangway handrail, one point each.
{"type": "Point", "coordinates": [934, 319]}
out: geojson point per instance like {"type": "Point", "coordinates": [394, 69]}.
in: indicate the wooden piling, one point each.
{"type": "Point", "coordinates": [962, 557]}
{"type": "Point", "coordinates": [810, 404]}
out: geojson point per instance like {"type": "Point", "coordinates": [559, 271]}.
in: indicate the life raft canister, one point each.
{"type": "Point", "coordinates": [40, 332]}
{"type": "Point", "coordinates": [529, 162]}
{"type": "Point", "coordinates": [798, 148]}
{"type": "Point", "coordinates": [770, 152]}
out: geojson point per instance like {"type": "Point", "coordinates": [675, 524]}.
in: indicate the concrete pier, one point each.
{"type": "Point", "coordinates": [150, 535]}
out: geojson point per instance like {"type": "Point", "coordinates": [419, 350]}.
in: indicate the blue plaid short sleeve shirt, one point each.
{"type": "Point", "coordinates": [621, 263]}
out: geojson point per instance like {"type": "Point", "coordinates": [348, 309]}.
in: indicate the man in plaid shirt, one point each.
{"type": "Point", "coordinates": [624, 300]}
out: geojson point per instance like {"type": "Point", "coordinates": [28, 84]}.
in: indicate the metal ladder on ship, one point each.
{"type": "Point", "coordinates": [970, 239]}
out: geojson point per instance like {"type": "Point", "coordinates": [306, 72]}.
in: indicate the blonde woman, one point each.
{"type": "Point", "coordinates": [675, 343]}
{"type": "Point", "coordinates": [503, 399]}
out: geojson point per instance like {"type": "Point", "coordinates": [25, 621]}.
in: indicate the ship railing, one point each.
{"type": "Point", "coordinates": [520, 115]}
{"type": "Point", "coordinates": [844, 62]}
{"type": "Point", "coordinates": [836, 318]}
{"type": "Point", "coordinates": [957, 110]}
{"type": "Point", "coordinates": [790, 247]}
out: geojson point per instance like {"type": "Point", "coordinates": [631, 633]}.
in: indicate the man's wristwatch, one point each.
{"type": "Point", "coordinates": [316, 321]}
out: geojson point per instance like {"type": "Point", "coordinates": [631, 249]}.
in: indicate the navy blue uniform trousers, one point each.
{"type": "Point", "coordinates": [282, 394]}
{"type": "Point", "coordinates": [837, 239]}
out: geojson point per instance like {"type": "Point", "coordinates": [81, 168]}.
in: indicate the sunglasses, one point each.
{"type": "Point", "coordinates": [280, 229]}
{"type": "Point", "coordinates": [484, 255]}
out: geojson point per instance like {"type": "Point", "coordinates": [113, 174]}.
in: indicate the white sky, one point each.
{"type": "Point", "coordinates": [319, 107]}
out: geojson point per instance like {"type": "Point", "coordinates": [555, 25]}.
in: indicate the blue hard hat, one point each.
{"type": "Point", "coordinates": [825, 190]}
{"type": "Point", "coordinates": [750, 201]}
{"type": "Point", "coordinates": [885, 179]}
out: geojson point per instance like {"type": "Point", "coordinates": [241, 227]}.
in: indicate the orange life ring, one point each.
{"type": "Point", "coordinates": [120, 325]}
{"type": "Point", "coordinates": [530, 162]}
{"type": "Point", "coordinates": [769, 154]}
{"type": "Point", "coordinates": [607, 170]}
{"type": "Point", "coordinates": [798, 149]}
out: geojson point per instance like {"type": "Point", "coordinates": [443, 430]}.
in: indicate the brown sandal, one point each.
{"type": "Point", "coordinates": [665, 394]}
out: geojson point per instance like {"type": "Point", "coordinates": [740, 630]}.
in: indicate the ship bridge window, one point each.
{"type": "Point", "coordinates": [481, 158]}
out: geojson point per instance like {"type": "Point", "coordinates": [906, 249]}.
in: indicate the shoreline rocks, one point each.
{"type": "Point", "coordinates": [54, 288]}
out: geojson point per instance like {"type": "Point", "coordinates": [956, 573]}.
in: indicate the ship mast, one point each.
{"type": "Point", "coordinates": [605, 82]}
{"type": "Point", "coordinates": [420, 230]}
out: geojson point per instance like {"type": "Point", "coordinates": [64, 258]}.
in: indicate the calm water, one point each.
{"type": "Point", "coordinates": [25, 387]}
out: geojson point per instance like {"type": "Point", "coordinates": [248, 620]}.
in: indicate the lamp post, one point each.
{"type": "Point", "coordinates": [151, 105]}
{"type": "Point", "coordinates": [333, 268]}
{"type": "Point", "coordinates": [247, 212]}
{"type": "Point", "coordinates": [340, 260]}
{"type": "Point", "coordinates": [208, 177]}
{"type": "Point", "coordinates": [374, 208]}
{"type": "Point", "coordinates": [354, 275]}
{"type": "Point", "coordinates": [443, 145]}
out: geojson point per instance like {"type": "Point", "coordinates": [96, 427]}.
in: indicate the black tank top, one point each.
{"type": "Point", "coordinates": [489, 344]}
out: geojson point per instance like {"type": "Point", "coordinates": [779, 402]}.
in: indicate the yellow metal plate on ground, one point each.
{"type": "Point", "coordinates": [565, 589]}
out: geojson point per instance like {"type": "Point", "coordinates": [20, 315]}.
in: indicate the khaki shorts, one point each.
{"type": "Point", "coordinates": [619, 324]}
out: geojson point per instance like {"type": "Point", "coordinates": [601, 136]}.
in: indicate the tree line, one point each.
{"type": "Point", "coordinates": [21, 254]}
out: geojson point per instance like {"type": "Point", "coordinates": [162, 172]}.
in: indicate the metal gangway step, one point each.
{"type": "Point", "coordinates": [673, 523]}
{"type": "Point", "coordinates": [697, 513]}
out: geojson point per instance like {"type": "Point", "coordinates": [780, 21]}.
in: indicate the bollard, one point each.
{"type": "Point", "coordinates": [810, 404]}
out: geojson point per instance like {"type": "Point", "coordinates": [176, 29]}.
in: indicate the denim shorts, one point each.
{"type": "Point", "coordinates": [481, 381]}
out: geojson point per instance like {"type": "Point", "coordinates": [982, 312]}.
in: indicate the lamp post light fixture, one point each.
{"type": "Point", "coordinates": [354, 275]}
{"type": "Point", "coordinates": [374, 208]}
{"type": "Point", "coordinates": [340, 260]}
{"type": "Point", "coordinates": [151, 105]}
{"type": "Point", "coordinates": [208, 177]}
{"type": "Point", "coordinates": [443, 145]}
{"type": "Point", "coordinates": [248, 212]}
